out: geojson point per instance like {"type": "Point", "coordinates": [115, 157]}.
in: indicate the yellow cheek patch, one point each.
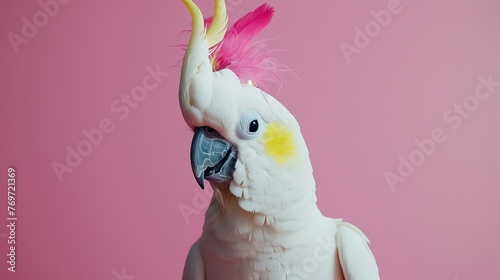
{"type": "Point", "coordinates": [279, 142]}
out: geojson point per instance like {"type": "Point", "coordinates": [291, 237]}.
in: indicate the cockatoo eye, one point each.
{"type": "Point", "coordinates": [254, 126]}
{"type": "Point", "coordinates": [248, 126]}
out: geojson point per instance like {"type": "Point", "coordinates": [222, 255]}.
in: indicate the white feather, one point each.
{"type": "Point", "coordinates": [356, 258]}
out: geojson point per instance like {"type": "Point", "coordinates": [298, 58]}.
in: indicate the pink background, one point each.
{"type": "Point", "coordinates": [116, 215]}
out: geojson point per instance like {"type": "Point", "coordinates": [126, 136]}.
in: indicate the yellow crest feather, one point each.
{"type": "Point", "coordinates": [218, 27]}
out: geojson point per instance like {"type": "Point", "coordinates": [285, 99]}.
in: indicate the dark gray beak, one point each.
{"type": "Point", "coordinates": [212, 157]}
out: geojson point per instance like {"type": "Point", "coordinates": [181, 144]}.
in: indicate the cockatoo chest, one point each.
{"type": "Point", "coordinates": [312, 254]}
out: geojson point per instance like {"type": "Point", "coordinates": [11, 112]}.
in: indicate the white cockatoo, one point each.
{"type": "Point", "coordinates": [263, 221]}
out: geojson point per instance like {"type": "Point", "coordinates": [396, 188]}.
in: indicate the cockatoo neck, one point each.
{"type": "Point", "coordinates": [228, 219]}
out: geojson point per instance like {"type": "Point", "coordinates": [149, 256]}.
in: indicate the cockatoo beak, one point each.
{"type": "Point", "coordinates": [212, 157]}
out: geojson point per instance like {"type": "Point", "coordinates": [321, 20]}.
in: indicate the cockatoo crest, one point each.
{"type": "Point", "coordinates": [240, 52]}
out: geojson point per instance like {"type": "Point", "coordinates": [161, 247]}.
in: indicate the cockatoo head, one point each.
{"type": "Point", "coordinates": [245, 143]}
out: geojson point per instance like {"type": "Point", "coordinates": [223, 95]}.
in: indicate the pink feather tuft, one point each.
{"type": "Point", "coordinates": [254, 22]}
{"type": "Point", "coordinates": [247, 58]}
